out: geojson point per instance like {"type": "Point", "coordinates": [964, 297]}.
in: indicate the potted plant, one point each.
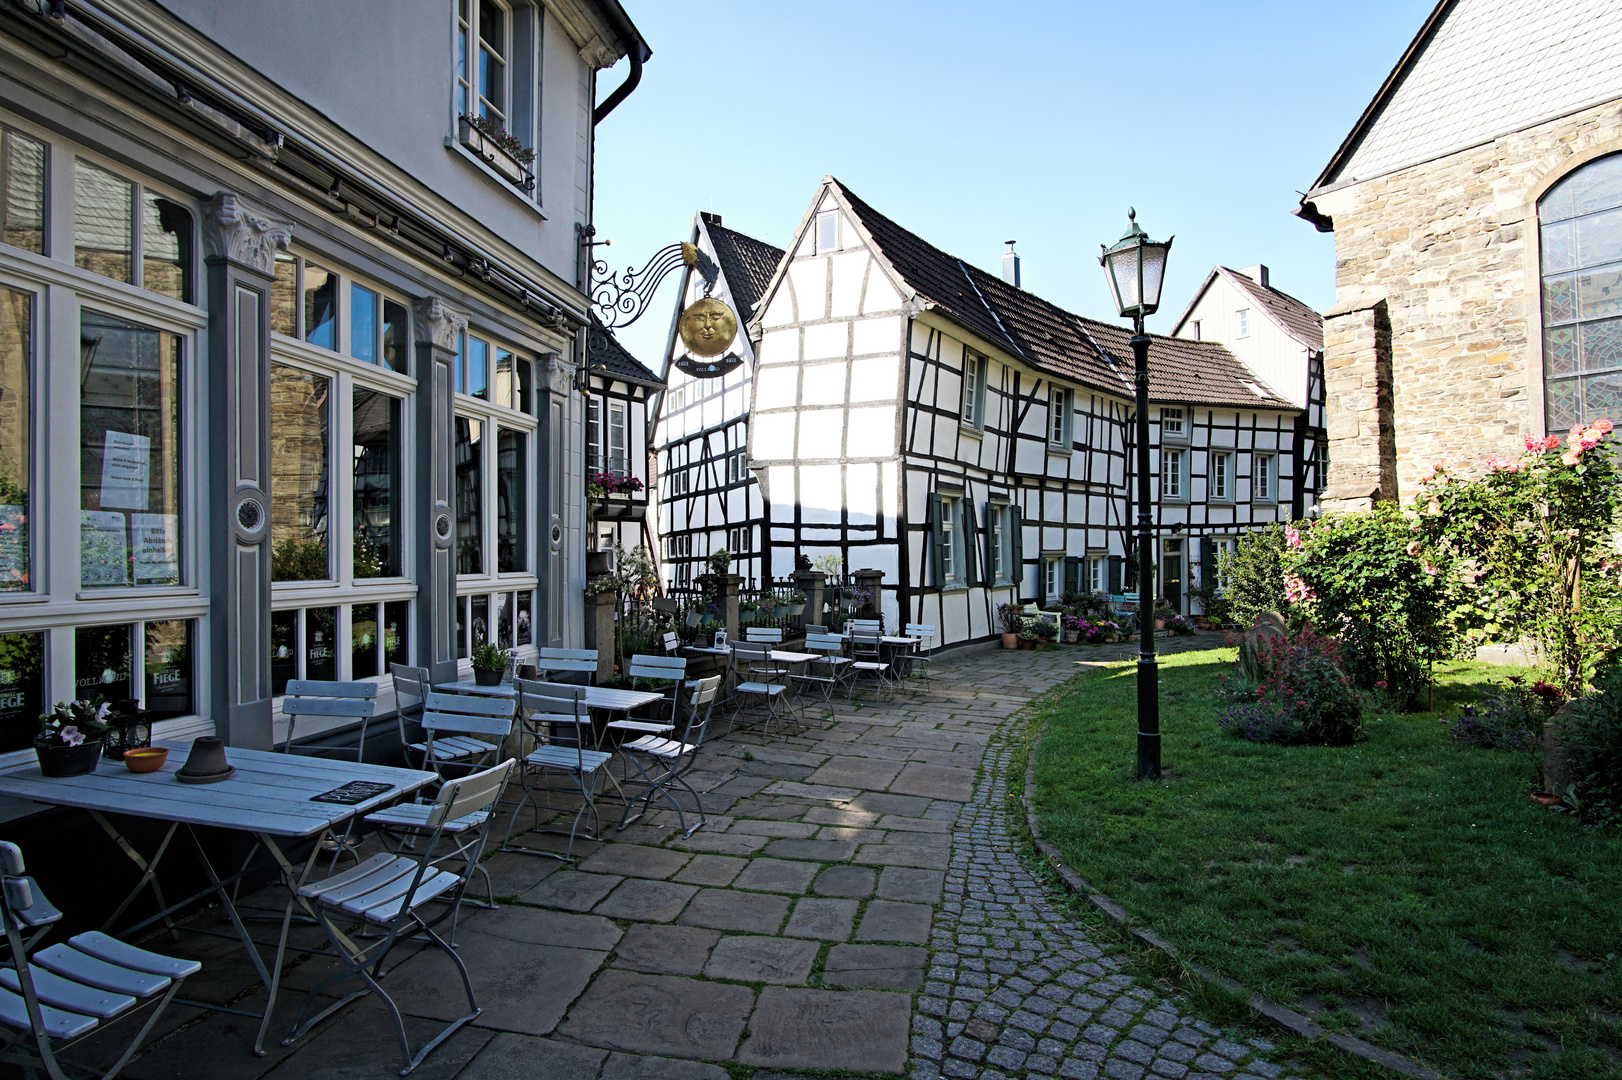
{"type": "Point", "coordinates": [1073, 629]}
{"type": "Point", "coordinates": [1180, 625]}
{"type": "Point", "coordinates": [796, 603]}
{"type": "Point", "coordinates": [746, 612]}
{"type": "Point", "coordinates": [1163, 612]}
{"type": "Point", "coordinates": [489, 663]}
{"type": "Point", "coordinates": [1028, 633]}
{"type": "Point", "coordinates": [1012, 621]}
{"type": "Point", "coordinates": [1047, 630]}
{"type": "Point", "coordinates": [71, 736]}
{"type": "Point", "coordinates": [501, 149]}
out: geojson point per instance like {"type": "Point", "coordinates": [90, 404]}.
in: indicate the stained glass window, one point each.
{"type": "Point", "coordinates": [1580, 229]}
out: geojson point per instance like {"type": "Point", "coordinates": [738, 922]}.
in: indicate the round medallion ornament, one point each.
{"type": "Point", "coordinates": [707, 327]}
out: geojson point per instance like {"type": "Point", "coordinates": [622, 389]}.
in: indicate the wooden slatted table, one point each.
{"type": "Point", "coordinates": [268, 797]}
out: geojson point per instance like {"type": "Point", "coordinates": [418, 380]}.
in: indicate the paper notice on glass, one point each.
{"type": "Point", "coordinates": [125, 470]}
{"type": "Point", "coordinates": [155, 543]}
{"type": "Point", "coordinates": [104, 554]}
{"type": "Point", "coordinates": [13, 547]}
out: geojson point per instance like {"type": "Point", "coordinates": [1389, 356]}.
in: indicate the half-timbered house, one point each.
{"type": "Point", "coordinates": [917, 415]}
{"type": "Point", "coordinates": [708, 499]}
{"type": "Point", "coordinates": [617, 481]}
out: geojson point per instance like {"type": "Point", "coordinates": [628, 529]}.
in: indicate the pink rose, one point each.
{"type": "Point", "coordinates": [1413, 547]}
{"type": "Point", "coordinates": [1532, 442]}
{"type": "Point", "coordinates": [1601, 425]}
{"type": "Point", "coordinates": [1571, 457]}
{"type": "Point", "coordinates": [1550, 442]}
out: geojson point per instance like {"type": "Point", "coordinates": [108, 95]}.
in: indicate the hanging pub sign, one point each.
{"type": "Point", "coordinates": [707, 327]}
{"type": "Point", "coordinates": [713, 369]}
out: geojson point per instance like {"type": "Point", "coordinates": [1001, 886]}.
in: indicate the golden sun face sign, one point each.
{"type": "Point", "coordinates": [707, 327]}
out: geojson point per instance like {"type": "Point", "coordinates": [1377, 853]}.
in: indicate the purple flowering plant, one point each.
{"type": "Point", "coordinates": [72, 723]}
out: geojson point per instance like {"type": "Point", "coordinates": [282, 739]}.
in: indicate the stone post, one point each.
{"type": "Point", "coordinates": [600, 631]}
{"type": "Point", "coordinates": [729, 604]}
{"type": "Point", "coordinates": [870, 581]}
{"type": "Point", "coordinates": [810, 582]}
{"type": "Point", "coordinates": [1360, 413]}
{"type": "Point", "coordinates": [240, 241]}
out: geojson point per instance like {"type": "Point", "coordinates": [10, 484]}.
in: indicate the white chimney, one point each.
{"type": "Point", "coordinates": [1010, 265]}
{"type": "Point", "coordinates": [1258, 274]}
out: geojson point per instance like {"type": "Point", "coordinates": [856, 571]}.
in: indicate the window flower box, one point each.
{"type": "Point", "coordinates": [491, 152]}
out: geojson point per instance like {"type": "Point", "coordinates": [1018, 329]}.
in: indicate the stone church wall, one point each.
{"type": "Point", "coordinates": [1448, 249]}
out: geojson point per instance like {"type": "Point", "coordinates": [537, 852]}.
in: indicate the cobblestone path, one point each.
{"type": "Point", "coordinates": [1016, 989]}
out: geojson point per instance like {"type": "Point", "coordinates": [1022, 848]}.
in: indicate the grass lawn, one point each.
{"type": "Point", "coordinates": [1404, 889]}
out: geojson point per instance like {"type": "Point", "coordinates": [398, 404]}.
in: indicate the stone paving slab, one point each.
{"type": "Point", "coordinates": [728, 909]}
{"type": "Point", "coordinates": [881, 967]}
{"type": "Point", "coordinates": [860, 1030]}
{"type": "Point", "coordinates": [744, 958]}
{"type": "Point", "coordinates": [666, 950]}
{"type": "Point", "coordinates": [659, 1014]}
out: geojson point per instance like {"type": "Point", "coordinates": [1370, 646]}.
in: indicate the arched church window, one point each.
{"type": "Point", "coordinates": [1580, 220]}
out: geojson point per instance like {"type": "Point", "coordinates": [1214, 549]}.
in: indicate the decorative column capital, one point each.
{"type": "Point", "coordinates": [437, 323]}
{"type": "Point", "coordinates": [238, 231]}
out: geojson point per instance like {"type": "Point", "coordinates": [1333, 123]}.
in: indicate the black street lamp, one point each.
{"type": "Point", "coordinates": [1136, 268]}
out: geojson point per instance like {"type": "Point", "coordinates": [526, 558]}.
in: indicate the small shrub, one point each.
{"type": "Point", "coordinates": [1301, 681]}
{"type": "Point", "coordinates": [1511, 719]}
{"type": "Point", "coordinates": [1255, 722]}
{"type": "Point", "coordinates": [1180, 624]}
{"type": "Point", "coordinates": [1591, 734]}
{"type": "Point", "coordinates": [1252, 575]}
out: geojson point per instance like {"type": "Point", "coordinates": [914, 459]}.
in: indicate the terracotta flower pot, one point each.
{"type": "Point", "coordinates": [1160, 624]}
{"type": "Point", "coordinates": [1545, 798]}
{"type": "Point", "coordinates": [1010, 641]}
{"type": "Point", "coordinates": [1027, 645]}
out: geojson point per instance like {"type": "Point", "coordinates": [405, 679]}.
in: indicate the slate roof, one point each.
{"type": "Point", "coordinates": [1054, 341]}
{"type": "Point", "coordinates": [747, 263]}
{"type": "Point", "coordinates": [1303, 324]}
{"type": "Point", "coordinates": [605, 356]}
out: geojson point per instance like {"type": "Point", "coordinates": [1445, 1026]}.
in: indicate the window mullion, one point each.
{"type": "Point", "coordinates": [341, 527]}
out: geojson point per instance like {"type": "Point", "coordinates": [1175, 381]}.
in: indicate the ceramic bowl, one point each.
{"type": "Point", "coordinates": [146, 758]}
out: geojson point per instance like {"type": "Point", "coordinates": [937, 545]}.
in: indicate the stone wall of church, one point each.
{"type": "Point", "coordinates": [1450, 247]}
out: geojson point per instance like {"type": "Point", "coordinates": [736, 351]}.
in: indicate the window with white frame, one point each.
{"type": "Point", "coordinates": [1059, 417]}
{"type": "Point", "coordinates": [1221, 547]}
{"type": "Point", "coordinates": [1263, 480]}
{"type": "Point", "coordinates": [305, 302]}
{"type": "Point", "coordinates": [735, 468]}
{"type": "Point", "coordinates": [1173, 423]}
{"type": "Point", "coordinates": [1052, 577]}
{"type": "Point", "coordinates": [997, 542]}
{"type": "Point", "coordinates": [126, 603]}
{"type": "Point", "coordinates": [740, 540]}
{"type": "Point", "coordinates": [1194, 327]}
{"type": "Point", "coordinates": [1242, 322]}
{"type": "Point", "coordinates": [827, 230]}
{"type": "Point", "coordinates": [1097, 571]}
{"type": "Point", "coordinates": [973, 406]}
{"type": "Point", "coordinates": [1221, 476]}
{"type": "Point", "coordinates": [951, 561]}
{"type": "Point", "coordinates": [678, 552]}
{"type": "Point", "coordinates": [483, 59]}
{"type": "Point", "coordinates": [614, 430]}
{"type": "Point", "coordinates": [1172, 475]}
{"type": "Point", "coordinates": [678, 480]}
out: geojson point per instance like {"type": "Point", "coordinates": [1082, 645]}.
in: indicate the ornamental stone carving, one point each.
{"type": "Point", "coordinates": [238, 231]}
{"type": "Point", "coordinates": [437, 324]}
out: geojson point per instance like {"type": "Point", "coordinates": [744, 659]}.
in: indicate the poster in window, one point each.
{"type": "Point", "coordinates": [13, 548]}
{"type": "Point", "coordinates": [125, 470]}
{"type": "Point", "coordinates": [155, 545]}
{"type": "Point", "coordinates": [104, 553]}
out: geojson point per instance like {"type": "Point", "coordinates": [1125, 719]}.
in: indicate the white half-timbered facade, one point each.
{"type": "Point", "coordinates": [617, 442]}
{"type": "Point", "coordinates": [708, 498]}
{"type": "Point", "coordinates": [916, 415]}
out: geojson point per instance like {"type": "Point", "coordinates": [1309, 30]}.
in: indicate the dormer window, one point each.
{"type": "Point", "coordinates": [828, 231]}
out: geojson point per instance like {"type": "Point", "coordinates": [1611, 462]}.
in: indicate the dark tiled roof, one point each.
{"type": "Point", "coordinates": [748, 264]}
{"type": "Point", "coordinates": [1299, 320]}
{"type": "Point", "coordinates": [606, 356]}
{"type": "Point", "coordinates": [1056, 341]}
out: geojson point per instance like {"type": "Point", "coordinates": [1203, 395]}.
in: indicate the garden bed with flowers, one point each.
{"type": "Point", "coordinates": [1400, 886]}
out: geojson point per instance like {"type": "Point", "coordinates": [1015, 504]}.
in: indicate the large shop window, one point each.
{"type": "Point", "coordinates": [512, 475]}
{"type": "Point", "coordinates": [129, 476]}
{"type": "Point", "coordinates": [305, 643]}
{"type": "Point", "coordinates": [22, 192]}
{"type": "Point", "coordinates": [1580, 223]}
{"type": "Point", "coordinates": [145, 664]}
{"type": "Point", "coordinates": [305, 303]}
{"type": "Point", "coordinates": [377, 484]}
{"type": "Point", "coordinates": [125, 232]}
{"type": "Point", "coordinates": [300, 421]}
{"type": "Point", "coordinates": [22, 688]}
{"type": "Point", "coordinates": [16, 420]}
{"type": "Point", "coordinates": [469, 462]}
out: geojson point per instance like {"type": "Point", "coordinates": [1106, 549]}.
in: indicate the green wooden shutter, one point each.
{"type": "Point", "coordinates": [1072, 574]}
{"type": "Point", "coordinates": [1208, 561]}
{"type": "Point", "coordinates": [935, 557]}
{"type": "Point", "coordinates": [971, 541]}
{"type": "Point", "coordinates": [1116, 565]}
{"type": "Point", "coordinates": [1016, 524]}
{"type": "Point", "coordinates": [991, 539]}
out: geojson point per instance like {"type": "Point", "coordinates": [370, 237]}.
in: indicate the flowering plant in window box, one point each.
{"type": "Point", "coordinates": [71, 736]}
{"type": "Point", "coordinates": [602, 485]}
{"type": "Point", "coordinates": [498, 147]}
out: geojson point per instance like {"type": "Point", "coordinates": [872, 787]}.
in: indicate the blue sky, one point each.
{"type": "Point", "coordinates": [973, 123]}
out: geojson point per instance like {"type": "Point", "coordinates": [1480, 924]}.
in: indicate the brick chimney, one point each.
{"type": "Point", "coordinates": [1010, 265]}
{"type": "Point", "coordinates": [1258, 274]}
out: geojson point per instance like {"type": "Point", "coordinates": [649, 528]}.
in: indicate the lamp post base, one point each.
{"type": "Point", "coordinates": [1148, 717]}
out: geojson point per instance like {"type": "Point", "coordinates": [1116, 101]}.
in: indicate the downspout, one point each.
{"type": "Point", "coordinates": [636, 49]}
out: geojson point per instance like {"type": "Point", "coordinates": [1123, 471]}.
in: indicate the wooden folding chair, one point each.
{"type": "Point", "coordinates": [574, 665]}
{"type": "Point", "coordinates": [830, 669]}
{"type": "Point", "coordinates": [920, 650]}
{"type": "Point", "coordinates": [674, 757]}
{"type": "Point", "coordinates": [545, 707]}
{"type": "Point", "coordinates": [311, 697]}
{"type": "Point", "coordinates": [765, 681]}
{"type": "Point", "coordinates": [390, 892]}
{"type": "Point", "coordinates": [413, 682]}
{"type": "Point", "coordinates": [867, 652]}
{"type": "Point", "coordinates": [58, 996]}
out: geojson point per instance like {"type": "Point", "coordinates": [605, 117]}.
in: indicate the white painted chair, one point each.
{"type": "Point", "coordinates": [393, 892]}
{"type": "Point", "coordinates": [830, 669]}
{"type": "Point", "coordinates": [546, 707]}
{"type": "Point", "coordinates": [413, 683]}
{"type": "Point", "coordinates": [52, 999]}
{"type": "Point", "coordinates": [662, 673]}
{"type": "Point", "coordinates": [765, 684]}
{"type": "Point", "coordinates": [771, 635]}
{"type": "Point", "coordinates": [578, 665]}
{"type": "Point", "coordinates": [920, 651]}
{"type": "Point", "coordinates": [864, 626]}
{"type": "Point", "coordinates": [310, 697]}
{"type": "Point", "coordinates": [867, 654]}
{"type": "Point", "coordinates": [674, 758]}
{"type": "Point", "coordinates": [671, 644]}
